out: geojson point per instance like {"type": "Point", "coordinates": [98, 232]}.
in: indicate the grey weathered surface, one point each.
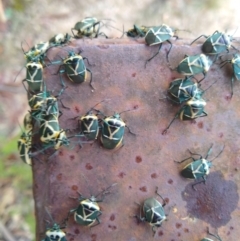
{"type": "Point", "coordinates": [147, 159]}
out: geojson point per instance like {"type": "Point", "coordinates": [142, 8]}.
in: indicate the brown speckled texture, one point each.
{"type": "Point", "coordinates": [147, 159]}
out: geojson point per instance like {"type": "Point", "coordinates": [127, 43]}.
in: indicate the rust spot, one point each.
{"type": "Point", "coordinates": [160, 233]}
{"type": "Point", "coordinates": [170, 181]}
{"type": "Point", "coordinates": [72, 157]}
{"type": "Point", "coordinates": [154, 175]}
{"type": "Point", "coordinates": [178, 225]}
{"type": "Point", "coordinates": [138, 159]}
{"type": "Point", "coordinates": [74, 187]}
{"type": "Point", "coordinates": [200, 124]}
{"type": "Point", "coordinates": [112, 227]}
{"type": "Point", "coordinates": [208, 129]}
{"type": "Point", "coordinates": [71, 239]}
{"type": "Point", "coordinates": [135, 107]}
{"type": "Point", "coordinates": [112, 217]}
{"type": "Point", "coordinates": [228, 97]}
{"type": "Point", "coordinates": [186, 230]}
{"type": "Point", "coordinates": [60, 153]}
{"type": "Point", "coordinates": [94, 237]}
{"type": "Point", "coordinates": [76, 109]}
{"type": "Point", "coordinates": [231, 228]}
{"type": "Point", "coordinates": [166, 200]}
{"type": "Point", "coordinates": [103, 46]}
{"type": "Point", "coordinates": [213, 202]}
{"type": "Point", "coordinates": [220, 134]}
{"type": "Point", "coordinates": [59, 176]}
{"type": "Point", "coordinates": [143, 189]}
{"type": "Point", "coordinates": [130, 187]}
{"type": "Point", "coordinates": [133, 74]}
{"type": "Point", "coordinates": [89, 166]}
{"type": "Point", "coordinates": [122, 174]}
{"type": "Point", "coordinates": [179, 234]}
{"type": "Point", "coordinates": [76, 231]}
{"type": "Point", "coordinates": [193, 122]}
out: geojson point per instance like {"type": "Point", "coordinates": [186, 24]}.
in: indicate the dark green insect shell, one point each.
{"type": "Point", "coordinates": [55, 234]}
{"type": "Point", "coordinates": [181, 90]}
{"type": "Point", "coordinates": [158, 34]}
{"type": "Point", "coordinates": [88, 27]}
{"type": "Point", "coordinates": [217, 43]}
{"type": "Point", "coordinates": [195, 64]}
{"type": "Point", "coordinates": [137, 31]}
{"type": "Point", "coordinates": [89, 126]}
{"type": "Point", "coordinates": [34, 77]}
{"type": "Point", "coordinates": [193, 109]}
{"type": "Point", "coordinates": [113, 128]}
{"type": "Point", "coordinates": [87, 212]}
{"type": "Point", "coordinates": [196, 169]}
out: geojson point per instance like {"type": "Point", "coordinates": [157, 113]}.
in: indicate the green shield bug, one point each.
{"type": "Point", "coordinates": [88, 210]}
{"type": "Point", "coordinates": [38, 51]}
{"type": "Point", "coordinates": [153, 212]}
{"type": "Point", "coordinates": [112, 132]}
{"type": "Point", "coordinates": [55, 233]}
{"type": "Point", "coordinates": [159, 35]}
{"type": "Point", "coordinates": [75, 68]}
{"type": "Point", "coordinates": [50, 132]}
{"type": "Point", "coordinates": [59, 39]}
{"type": "Point", "coordinates": [198, 168]}
{"type": "Point", "coordinates": [34, 76]}
{"type": "Point", "coordinates": [89, 124]}
{"type": "Point", "coordinates": [215, 236]}
{"type": "Point", "coordinates": [194, 64]}
{"type": "Point", "coordinates": [137, 31]}
{"type": "Point", "coordinates": [181, 90]}
{"type": "Point", "coordinates": [24, 148]}
{"type": "Point", "coordinates": [235, 61]}
{"type": "Point", "coordinates": [192, 109]}
{"type": "Point", "coordinates": [216, 43]}
{"type": "Point", "coordinates": [88, 27]}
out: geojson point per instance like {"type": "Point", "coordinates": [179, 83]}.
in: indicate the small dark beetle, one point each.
{"type": "Point", "coordinates": [198, 168]}
{"type": "Point", "coordinates": [137, 31]}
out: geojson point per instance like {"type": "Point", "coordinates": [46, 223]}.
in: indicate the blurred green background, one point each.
{"type": "Point", "coordinates": [29, 22]}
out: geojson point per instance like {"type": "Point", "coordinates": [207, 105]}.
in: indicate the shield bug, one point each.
{"type": "Point", "coordinates": [181, 90]}
{"type": "Point", "coordinates": [216, 43]}
{"type": "Point", "coordinates": [137, 31]}
{"type": "Point", "coordinates": [198, 168]}
{"type": "Point", "coordinates": [215, 236]}
{"type": "Point", "coordinates": [55, 233]}
{"type": "Point", "coordinates": [88, 27]}
{"type": "Point", "coordinates": [192, 109]}
{"type": "Point", "coordinates": [59, 39]}
{"type": "Point", "coordinates": [24, 148]}
{"type": "Point", "coordinates": [38, 51]}
{"type": "Point", "coordinates": [51, 134]}
{"type": "Point", "coordinates": [153, 212]}
{"type": "Point", "coordinates": [89, 124]}
{"type": "Point", "coordinates": [34, 76]}
{"type": "Point", "coordinates": [75, 68]}
{"type": "Point", "coordinates": [113, 128]}
{"type": "Point", "coordinates": [88, 210]}
{"type": "Point", "coordinates": [159, 35]}
{"type": "Point", "coordinates": [235, 61]}
{"type": "Point", "coordinates": [194, 64]}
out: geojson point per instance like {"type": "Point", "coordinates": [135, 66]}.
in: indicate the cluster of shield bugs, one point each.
{"type": "Point", "coordinates": [110, 129]}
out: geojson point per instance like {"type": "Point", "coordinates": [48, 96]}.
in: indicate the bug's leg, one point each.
{"type": "Point", "coordinates": [154, 55]}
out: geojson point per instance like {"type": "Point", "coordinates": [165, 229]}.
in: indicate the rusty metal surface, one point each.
{"type": "Point", "coordinates": [146, 161]}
